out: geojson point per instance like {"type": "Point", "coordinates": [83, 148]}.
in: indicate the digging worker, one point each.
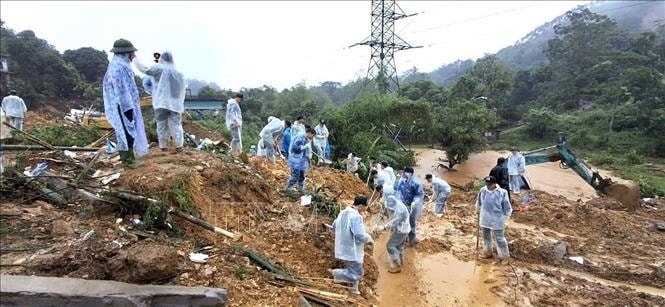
{"type": "Point", "coordinates": [268, 134]}
{"type": "Point", "coordinates": [234, 123]}
{"type": "Point", "coordinates": [516, 168]}
{"type": "Point", "coordinates": [14, 108]}
{"type": "Point", "coordinates": [411, 193]}
{"type": "Point", "coordinates": [168, 99]}
{"type": "Point", "coordinates": [121, 103]}
{"type": "Point", "coordinates": [300, 158]}
{"type": "Point", "coordinates": [321, 140]}
{"type": "Point", "coordinates": [286, 139]}
{"type": "Point", "coordinates": [500, 172]}
{"type": "Point", "coordinates": [389, 171]}
{"type": "Point", "coordinates": [441, 189]}
{"type": "Point", "coordinates": [350, 239]}
{"type": "Point", "coordinates": [400, 227]}
{"type": "Point", "coordinates": [494, 210]}
{"type": "Point", "coordinates": [351, 162]}
{"type": "Point", "coordinates": [298, 126]}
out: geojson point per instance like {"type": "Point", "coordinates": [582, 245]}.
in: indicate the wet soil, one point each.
{"type": "Point", "coordinates": [622, 251]}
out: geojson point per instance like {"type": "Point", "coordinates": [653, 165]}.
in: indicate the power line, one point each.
{"type": "Point", "coordinates": [474, 18]}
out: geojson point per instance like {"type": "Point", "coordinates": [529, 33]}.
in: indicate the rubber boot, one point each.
{"type": "Point", "coordinates": [123, 156]}
{"type": "Point", "coordinates": [394, 267]}
{"type": "Point", "coordinates": [503, 255]}
{"type": "Point", "coordinates": [487, 252]}
{"type": "Point", "coordinates": [129, 159]}
{"type": "Point", "coordinates": [354, 287]}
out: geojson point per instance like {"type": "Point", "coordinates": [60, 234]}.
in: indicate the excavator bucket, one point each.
{"type": "Point", "coordinates": [627, 193]}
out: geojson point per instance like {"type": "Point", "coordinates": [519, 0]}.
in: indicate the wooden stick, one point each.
{"type": "Point", "coordinates": [31, 137]}
{"type": "Point", "coordinates": [102, 139]}
{"type": "Point", "coordinates": [87, 168]}
{"type": "Point", "coordinates": [10, 147]}
{"type": "Point", "coordinates": [202, 223]}
{"type": "Point", "coordinates": [261, 261]}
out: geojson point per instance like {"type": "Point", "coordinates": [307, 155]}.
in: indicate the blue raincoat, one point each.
{"type": "Point", "coordinates": [299, 152]}
{"type": "Point", "coordinates": [410, 191]}
{"type": "Point", "coordinates": [286, 141]}
{"type": "Point", "coordinates": [120, 90]}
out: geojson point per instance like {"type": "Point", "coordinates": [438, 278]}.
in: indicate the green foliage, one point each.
{"type": "Point", "coordinates": [90, 62]}
{"type": "Point", "coordinates": [155, 216]}
{"type": "Point", "coordinates": [59, 135]}
{"type": "Point", "coordinates": [540, 122]}
{"type": "Point", "coordinates": [460, 129]}
{"type": "Point", "coordinates": [181, 196]}
{"type": "Point", "coordinates": [633, 157]}
{"type": "Point", "coordinates": [242, 272]}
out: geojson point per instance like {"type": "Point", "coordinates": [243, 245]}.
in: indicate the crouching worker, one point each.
{"type": "Point", "coordinates": [494, 210]}
{"type": "Point", "coordinates": [400, 228]}
{"type": "Point", "coordinates": [441, 190]}
{"type": "Point", "coordinates": [350, 239]}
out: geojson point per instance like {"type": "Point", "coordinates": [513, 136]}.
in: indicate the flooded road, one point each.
{"type": "Point", "coordinates": [436, 277]}
{"type": "Point", "coordinates": [434, 280]}
{"type": "Point", "coordinates": [548, 177]}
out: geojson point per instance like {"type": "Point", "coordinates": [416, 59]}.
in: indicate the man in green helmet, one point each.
{"type": "Point", "coordinates": [121, 103]}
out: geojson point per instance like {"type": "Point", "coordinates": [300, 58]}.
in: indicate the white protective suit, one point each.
{"type": "Point", "coordinates": [268, 134]}
{"type": "Point", "coordinates": [168, 99]}
{"type": "Point", "coordinates": [495, 208]}
{"type": "Point", "coordinates": [350, 235]}
{"type": "Point", "coordinates": [399, 215]}
{"type": "Point", "coordinates": [321, 140]}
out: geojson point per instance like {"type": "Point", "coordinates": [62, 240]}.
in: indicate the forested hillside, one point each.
{"type": "Point", "coordinates": [602, 84]}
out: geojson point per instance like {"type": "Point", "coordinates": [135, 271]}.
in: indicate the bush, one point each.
{"type": "Point", "coordinates": [58, 135]}
{"type": "Point", "coordinates": [602, 159]}
{"type": "Point", "coordinates": [632, 157]}
{"type": "Point", "coordinates": [540, 123]}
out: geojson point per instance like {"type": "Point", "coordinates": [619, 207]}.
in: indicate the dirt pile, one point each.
{"type": "Point", "coordinates": [246, 199]}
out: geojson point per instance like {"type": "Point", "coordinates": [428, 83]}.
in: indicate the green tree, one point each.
{"type": "Point", "coordinates": [90, 62]}
{"type": "Point", "coordinates": [540, 123]}
{"type": "Point", "coordinates": [460, 127]}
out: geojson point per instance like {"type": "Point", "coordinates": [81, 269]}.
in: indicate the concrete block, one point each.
{"type": "Point", "coordinates": [16, 290]}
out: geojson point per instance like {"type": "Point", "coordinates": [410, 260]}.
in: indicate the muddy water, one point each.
{"type": "Point", "coordinates": [437, 279]}
{"type": "Point", "coordinates": [546, 177]}
{"type": "Point", "coordinates": [434, 280]}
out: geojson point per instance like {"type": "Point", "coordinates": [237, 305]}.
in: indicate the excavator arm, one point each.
{"type": "Point", "coordinates": [568, 160]}
{"type": "Point", "coordinates": [628, 194]}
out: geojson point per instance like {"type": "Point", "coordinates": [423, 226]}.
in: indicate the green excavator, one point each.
{"type": "Point", "coordinates": [626, 193]}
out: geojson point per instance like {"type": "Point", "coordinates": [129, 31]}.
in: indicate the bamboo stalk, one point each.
{"type": "Point", "coordinates": [33, 147]}
{"type": "Point", "coordinates": [87, 168]}
{"type": "Point", "coordinates": [31, 137]}
{"type": "Point", "coordinates": [101, 139]}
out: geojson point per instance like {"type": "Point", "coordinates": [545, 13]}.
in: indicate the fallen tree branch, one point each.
{"type": "Point", "coordinates": [175, 212]}
{"type": "Point", "coordinates": [52, 196]}
{"type": "Point", "coordinates": [261, 261]}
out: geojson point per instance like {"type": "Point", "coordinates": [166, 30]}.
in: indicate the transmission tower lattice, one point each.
{"type": "Point", "coordinates": [384, 42]}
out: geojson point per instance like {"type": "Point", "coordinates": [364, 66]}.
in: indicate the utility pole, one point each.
{"type": "Point", "coordinates": [384, 42]}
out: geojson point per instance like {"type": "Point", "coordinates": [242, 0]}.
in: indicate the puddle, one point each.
{"type": "Point", "coordinates": [567, 183]}
{"type": "Point", "coordinates": [434, 280]}
{"type": "Point", "coordinates": [588, 277]}
{"type": "Point", "coordinates": [451, 282]}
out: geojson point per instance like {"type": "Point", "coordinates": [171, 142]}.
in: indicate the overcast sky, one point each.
{"type": "Point", "coordinates": [280, 43]}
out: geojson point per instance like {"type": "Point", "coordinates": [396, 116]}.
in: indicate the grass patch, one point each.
{"type": "Point", "coordinates": [181, 197]}
{"type": "Point", "coordinates": [58, 135]}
